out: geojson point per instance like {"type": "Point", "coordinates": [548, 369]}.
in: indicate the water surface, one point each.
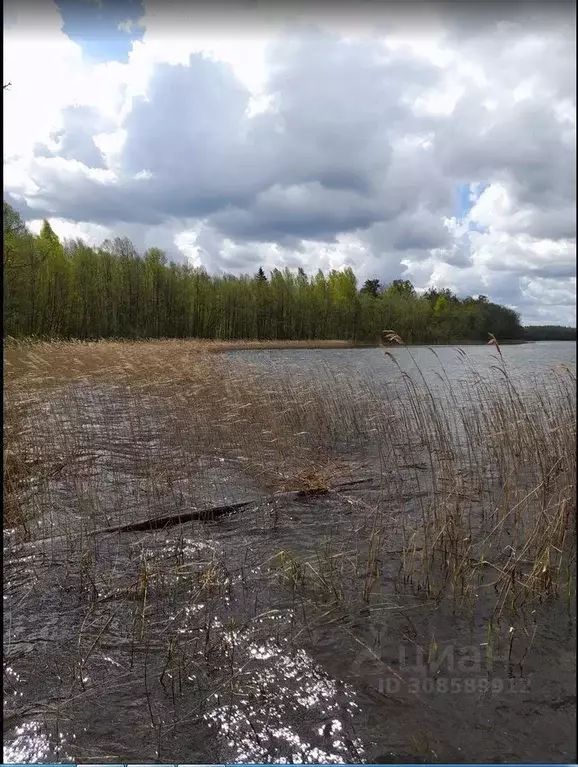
{"type": "Point", "coordinates": [526, 363]}
{"type": "Point", "coordinates": [223, 641]}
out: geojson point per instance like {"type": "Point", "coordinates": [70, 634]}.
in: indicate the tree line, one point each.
{"type": "Point", "coordinates": [549, 333]}
{"type": "Point", "coordinates": [69, 289]}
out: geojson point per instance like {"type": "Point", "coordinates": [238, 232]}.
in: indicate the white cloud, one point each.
{"type": "Point", "coordinates": [45, 69]}
{"type": "Point", "coordinates": [311, 150]}
{"type": "Point", "coordinates": [93, 234]}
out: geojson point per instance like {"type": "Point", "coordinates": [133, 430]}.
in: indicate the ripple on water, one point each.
{"type": "Point", "coordinates": [284, 704]}
{"type": "Point", "coordinates": [30, 743]}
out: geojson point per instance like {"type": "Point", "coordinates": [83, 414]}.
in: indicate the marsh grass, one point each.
{"type": "Point", "coordinates": [474, 502]}
{"type": "Point", "coordinates": [512, 513]}
{"type": "Point", "coordinates": [499, 467]}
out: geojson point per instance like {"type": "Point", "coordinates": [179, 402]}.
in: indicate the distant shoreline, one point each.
{"type": "Point", "coordinates": [515, 342]}
{"type": "Point", "coordinates": [216, 347]}
{"type": "Point", "coordinates": [223, 346]}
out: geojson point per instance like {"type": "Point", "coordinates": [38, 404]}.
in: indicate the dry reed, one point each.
{"type": "Point", "coordinates": [474, 498]}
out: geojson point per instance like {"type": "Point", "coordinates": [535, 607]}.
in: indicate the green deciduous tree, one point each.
{"type": "Point", "coordinates": [73, 290]}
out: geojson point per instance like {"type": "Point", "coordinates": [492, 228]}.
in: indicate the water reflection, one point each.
{"type": "Point", "coordinates": [281, 706]}
{"type": "Point", "coordinates": [30, 743]}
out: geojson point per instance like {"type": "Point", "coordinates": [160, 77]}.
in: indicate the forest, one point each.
{"type": "Point", "coordinates": [549, 333]}
{"type": "Point", "coordinates": [55, 289]}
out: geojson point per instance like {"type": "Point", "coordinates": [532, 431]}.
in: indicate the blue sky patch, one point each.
{"type": "Point", "coordinates": [465, 201]}
{"type": "Point", "coordinates": [105, 29]}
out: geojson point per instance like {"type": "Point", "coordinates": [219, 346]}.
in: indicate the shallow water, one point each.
{"type": "Point", "coordinates": [526, 363]}
{"type": "Point", "coordinates": [330, 687]}
{"type": "Point", "coordinates": [222, 641]}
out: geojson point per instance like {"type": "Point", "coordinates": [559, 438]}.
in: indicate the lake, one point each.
{"type": "Point", "coordinates": [527, 363]}
{"type": "Point", "coordinates": [305, 627]}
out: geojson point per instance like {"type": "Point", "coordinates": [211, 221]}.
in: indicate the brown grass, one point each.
{"type": "Point", "coordinates": [500, 468]}
{"type": "Point", "coordinates": [198, 404]}
{"type": "Point", "coordinates": [474, 508]}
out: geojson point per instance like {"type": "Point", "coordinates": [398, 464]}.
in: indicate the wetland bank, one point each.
{"type": "Point", "coordinates": [399, 584]}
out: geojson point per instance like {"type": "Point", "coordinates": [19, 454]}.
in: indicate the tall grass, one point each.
{"type": "Point", "coordinates": [473, 500]}
{"type": "Point", "coordinates": [498, 466]}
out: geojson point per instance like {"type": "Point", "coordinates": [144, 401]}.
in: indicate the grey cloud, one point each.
{"type": "Point", "coordinates": [525, 143]}
{"type": "Point", "coordinates": [340, 104]}
{"type": "Point", "coordinates": [247, 256]}
{"type": "Point", "coordinates": [76, 138]}
{"type": "Point", "coordinates": [555, 271]}
{"type": "Point", "coordinates": [20, 205]}
{"type": "Point", "coordinates": [410, 236]}
{"type": "Point", "coordinates": [245, 260]}
{"type": "Point", "coordinates": [188, 126]}
{"type": "Point", "coordinates": [340, 152]}
{"type": "Point", "coordinates": [420, 231]}
{"type": "Point", "coordinates": [338, 108]}
{"type": "Point", "coordinates": [458, 255]}
{"type": "Point", "coordinates": [308, 211]}
{"type": "Point", "coordinates": [553, 223]}
{"type": "Point", "coordinates": [490, 26]}
{"type": "Point", "coordinates": [558, 271]}
{"type": "Point", "coordinates": [72, 195]}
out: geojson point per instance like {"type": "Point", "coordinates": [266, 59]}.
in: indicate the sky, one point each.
{"type": "Point", "coordinates": [434, 142]}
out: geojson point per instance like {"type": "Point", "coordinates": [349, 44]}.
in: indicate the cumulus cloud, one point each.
{"type": "Point", "coordinates": [75, 140]}
{"type": "Point", "coordinates": [318, 140]}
